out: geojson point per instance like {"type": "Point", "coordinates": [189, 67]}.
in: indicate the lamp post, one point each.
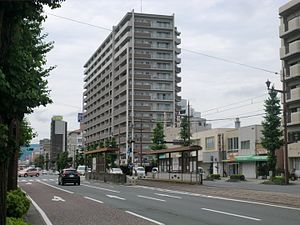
{"type": "Point", "coordinates": [285, 155]}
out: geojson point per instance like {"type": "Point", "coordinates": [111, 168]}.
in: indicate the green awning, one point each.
{"type": "Point", "coordinates": [251, 158]}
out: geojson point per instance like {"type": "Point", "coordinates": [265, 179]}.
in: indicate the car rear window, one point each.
{"type": "Point", "coordinates": [70, 171]}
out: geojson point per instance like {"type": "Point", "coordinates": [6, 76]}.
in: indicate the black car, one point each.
{"type": "Point", "coordinates": [69, 176]}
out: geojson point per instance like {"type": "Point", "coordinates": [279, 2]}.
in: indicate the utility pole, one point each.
{"type": "Point", "coordinates": [189, 124]}
{"type": "Point", "coordinates": [119, 147]}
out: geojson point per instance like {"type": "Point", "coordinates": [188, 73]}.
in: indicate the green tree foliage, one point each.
{"type": "Point", "coordinates": [63, 161]}
{"type": "Point", "coordinates": [79, 158]}
{"type": "Point", "coordinates": [39, 161]}
{"type": "Point", "coordinates": [17, 203]}
{"type": "Point", "coordinates": [158, 139]}
{"type": "Point", "coordinates": [22, 76]}
{"type": "Point", "coordinates": [184, 131]}
{"type": "Point", "coordinates": [272, 135]}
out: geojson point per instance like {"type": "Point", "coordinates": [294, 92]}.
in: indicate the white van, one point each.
{"type": "Point", "coordinates": [81, 170]}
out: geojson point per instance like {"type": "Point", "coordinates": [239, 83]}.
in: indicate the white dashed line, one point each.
{"type": "Point", "coordinates": [116, 197]}
{"type": "Point", "coordinates": [95, 200]}
{"type": "Point", "coordinates": [104, 189]}
{"type": "Point", "coordinates": [169, 196]}
{"type": "Point", "coordinates": [147, 197]}
{"type": "Point", "coordinates": [145, 218]}
{"type": "Point", "coordinates": [70, 192]}
{"type": "Point", "coordinates": [231, 214]}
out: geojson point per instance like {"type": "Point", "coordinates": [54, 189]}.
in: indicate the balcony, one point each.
{"type": "Point", "coordinates": [294, 149]}
{"type": "Point", "coordinates": [142, 97]}
{"type": "Point", "coordinates": [294, 71]}
{"type": "Point", "coordinates": [142, 45]}
{"type": "Point", "coordinates": [177, 41]}
{"type": "Point", "coordinates": [292, 49]}
{"type": "Point", "coordinates": [142, 35]}
{"type": "Point", "coordinates": [295, 118]}
{"type": "Point", "coordinates": [142, 87]}
{"type": "Point", "coordinates": [177, 60]}
{"type": "Point", "coordinates": [177, 69]}
{"type": "Point", "coordinates": [293, 25]}
{"type": "Point", "coordinates": [294, 95]}
{"type": "Point", "coordinates": [142, 108]}
{"type": "Point", "coordinates": [142, 24]}
{"type": "Point", "coordinates": [178, 89]}
{"type": "Point", "coordinates": [178, 79]}
{"type": "Point", "coordinates": [177, 50]}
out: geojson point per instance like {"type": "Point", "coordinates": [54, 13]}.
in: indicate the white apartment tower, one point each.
{"type": "Point", "coordinates": [289, 32]}
{"type": "Point", "coordinates": [131, 81]}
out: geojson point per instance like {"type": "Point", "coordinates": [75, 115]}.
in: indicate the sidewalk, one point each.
{"type": "Point", "coordinates": [34, 217]}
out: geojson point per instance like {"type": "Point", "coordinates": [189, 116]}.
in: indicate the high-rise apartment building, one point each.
{"type": "Point", "coordinates": [58, 141]}
{"type": "Point", "coordinates": [131, 81]}
{"type": "Point", "coordinates": [289, 32]}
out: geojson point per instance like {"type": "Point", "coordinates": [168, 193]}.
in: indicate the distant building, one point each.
{"type": "Point", "coordinates": [74, 143]}
{"type": "Point", "coordinates": [45, 147]}
{"type": "Point", "coordinates": [26, 152]}
{"type": "Point", "coordinates": [58, 142]}
{"type": "Point", "coordinates": [131, 81]}
{"type": "Point", "coordinates": [289, 32]}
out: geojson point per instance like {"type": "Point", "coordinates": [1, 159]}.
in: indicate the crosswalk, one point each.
{"type": "Point", "coordinates": [37, 180]}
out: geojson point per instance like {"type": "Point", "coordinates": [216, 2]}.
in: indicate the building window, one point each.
{"type": "Point", "coordinates": [233, 144]}
{"type": "Point", "coordinates": [245, 145]}
{"type": "Point", "coordinates": [210, 143]}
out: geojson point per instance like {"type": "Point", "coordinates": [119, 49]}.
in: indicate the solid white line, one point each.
{"type": "Point", "coordinates": [217, 197]}
{"type": "Point", "coordinates": [70, 192]}
{"type": "Point", "coordinates": [38, 180]}
{"type": "Point", "coordinates": [145, 218]}
{"type": "Point", "coordinates": [170, 196]}
{"type": "Point", "coordinates": [43, 214]}
{"type": "Point", "coordinates": [23, 180]}
{"type": "Point", "coordinates": [104, 189]}
{"type": "Point", "coordinates": [31, 180]}
{"type": "Point", "coordinates": [44, 179]}
{"type": "Point", "coordinates": [231, 214]}
{"type": "Point", "coordinates": [51, 179]}
{"type": "Point", "coordinates": [95, 200]}
{"type": "Point", "coordinates": [117, 197]}
{"type": "Point", "coordinates": [156, 199]}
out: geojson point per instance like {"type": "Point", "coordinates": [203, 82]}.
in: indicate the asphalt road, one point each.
{"type": "Point", "coordinates": [101, 203]}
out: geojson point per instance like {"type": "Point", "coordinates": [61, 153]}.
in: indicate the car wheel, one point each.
{"type": "Point", "coordinates": [62, 183]}
{"type": "Point", "coordinates": [78, 183]}
{"type": "Point", "coordinates": [25, 175]}
{"type": "Point", "coordinates": [37, 174]}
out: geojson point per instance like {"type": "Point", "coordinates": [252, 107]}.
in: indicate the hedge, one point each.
{"type": "Point", "coordinates": [215, 176]}
{"type": "Point", "coordinates": [17, 203]}
{"type": "Point", "coordinates": [237, 177]}
{"type": "Point", "coordinates": [15, 221]}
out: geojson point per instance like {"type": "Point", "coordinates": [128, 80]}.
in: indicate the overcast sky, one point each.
{"type": "Point", "coordinates": [244, 31]}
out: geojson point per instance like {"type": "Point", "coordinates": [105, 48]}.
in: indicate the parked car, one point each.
{"type": "Point", "coordinates": [69, 176]}
{"type": "Point", "coordinates": [81, 170]}
{"type": "Point", "coordinates": [29, 172]}
{"type": "Point", "coordinates": [139, 171]}
{"type": "Point", "coordinates": [115, 171]}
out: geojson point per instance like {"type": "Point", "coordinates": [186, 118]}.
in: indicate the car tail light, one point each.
{"type": "Point", "coordinates": [78, 174]}
{"type": "Point", "coordinates": [64, 174]}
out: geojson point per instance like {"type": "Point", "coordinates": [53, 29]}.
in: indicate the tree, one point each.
{"type": "Point", "coordinates": [22, 83]}
{"type": "Point", "coordinates": [39, 161]}
{"type": "Point", "coordinates": [184, 131]}
{"type": "Point", "coordinates": [62, 161]}
{"type": "Point", "coordinates": [158, 139]}
{"type": "Point", "coordinates": [272, 135]}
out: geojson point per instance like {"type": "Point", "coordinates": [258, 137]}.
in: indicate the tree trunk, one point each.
{"type": "Point", "coordinates": [3, 190]}
{"type": "Point", "coordinates": [14, 131]}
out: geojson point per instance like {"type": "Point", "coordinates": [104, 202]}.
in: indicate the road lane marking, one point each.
{"type": "Point", "coordinates": [43, 214]}
{"type": "Point", "coordinates": [37, 180]}
{"type": "Point", "coordinates": [114, 196]}
{"type": "Point", "coordinates": [23, 180]}
{"type": "Point", "coordinates": [70, 192]}
{"type": "Point", "coordinates": [51, 179]}
{"type": "Point", "coordinates": [232, 214]}
{"type": "Point", "coordinates": [170, 196]}
{"type": "Point", "coordinates": [95, 200]}
{"type": "Point", "coordinates": [145, 218]}
{"type": "Point", "coordinates": [104, 189]}
{"type": "Point", "coordinates": [217, 197]}
{"type": "Point", "coordinates": [28, 183]}
{"type": "Point", "coordinates": [151, 198]}
{"type": "Point", "coordinates": [57, 199]}
{"type": "Point", "coordinates": [31, 180]}
{"type": "Point", "coordinates": [44, 179]}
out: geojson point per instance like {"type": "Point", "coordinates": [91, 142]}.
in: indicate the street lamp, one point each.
{"type": "Point", "coordinates": [285, 155]}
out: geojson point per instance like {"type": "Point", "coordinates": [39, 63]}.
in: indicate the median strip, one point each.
{"type": "Point", "coordinates": [232, 214]}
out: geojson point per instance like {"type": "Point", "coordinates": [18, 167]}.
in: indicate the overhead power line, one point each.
{"type": "Point", "coordinates": [81, 22]}
{"type": "Point", "coordinates": [233, 118]}
{"type": "Point", "coordinates": [188, 50]}
{"type": "Point", "coordinates": [229, 61]}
